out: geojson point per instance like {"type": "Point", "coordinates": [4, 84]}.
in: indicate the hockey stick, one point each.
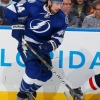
{"type": "Point", "coordinates": [67, 96]}
{"type": "Point", "coordinates": [50, 68]}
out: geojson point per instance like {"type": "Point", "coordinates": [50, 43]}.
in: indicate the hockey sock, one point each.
{"type": "Point", "coordinates": [34, 87]}
{"type": "Point", "coordinates": [32, 71]}
{"type": "Point", "coordinates": [91, 84]}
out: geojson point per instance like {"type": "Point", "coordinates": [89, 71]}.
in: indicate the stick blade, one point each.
{"type": "Point", "coordinates": [67, 95]}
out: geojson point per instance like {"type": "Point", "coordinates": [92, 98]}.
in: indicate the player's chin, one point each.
{"type": "Point", "coordinates": [56, 11]}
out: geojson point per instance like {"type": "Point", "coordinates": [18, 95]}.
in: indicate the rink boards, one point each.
{"type": "Point", "coordinates": [75, 61]}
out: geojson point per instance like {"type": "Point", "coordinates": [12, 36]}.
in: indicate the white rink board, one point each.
{"type": "Point", "coordinates": [84, 46]}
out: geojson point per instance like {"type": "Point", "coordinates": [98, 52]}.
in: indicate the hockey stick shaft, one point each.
{"type": "Point", "coordinates": [49, 67]}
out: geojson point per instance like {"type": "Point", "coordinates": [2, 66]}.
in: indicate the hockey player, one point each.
{"type": "Point", "coordinates": [93, 83]}
{"type": "Point", "coordinates": [44, 30]}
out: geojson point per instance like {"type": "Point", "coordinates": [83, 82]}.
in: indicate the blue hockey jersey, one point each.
{"type": "Point", "coordinates": [41, 25]}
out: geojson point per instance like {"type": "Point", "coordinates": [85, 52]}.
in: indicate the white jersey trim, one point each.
{"type": "Point", "coordinates": [39, 82]}
{"type": "Point", "coordinates": [59, 38]}
{"type": "Point", "coordinates": [28, 80]}
{"type": "Point", "coordinates": [31, 40]}
{"type": "Point", "coordinates": [12, 8]}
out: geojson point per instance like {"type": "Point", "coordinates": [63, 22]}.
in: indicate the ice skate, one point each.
{"type": "Point", "coordinates": [78, 92]}
{"type": "Point", "coordinates": [18, 98]}
{"type": "Point", "coordinates": [21, 96]}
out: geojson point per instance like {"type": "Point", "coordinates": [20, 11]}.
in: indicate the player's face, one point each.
{"type": "Point", "coordinates": [5, 1]}
{"type": "Point", "coordinates": [66, 6]}
{"type": "Point", "coordinates": [97, 11]}
{"type": "Point", "coordinates": [56, 6]}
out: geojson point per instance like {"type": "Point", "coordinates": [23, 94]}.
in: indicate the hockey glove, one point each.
{"type": "Point", "coordinates": [18, 32]}
{"type": "Point", "coordinates": [48, 46]}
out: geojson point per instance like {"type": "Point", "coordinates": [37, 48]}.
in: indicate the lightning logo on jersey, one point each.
{"type": "Point", "coordinates": [40, 24]}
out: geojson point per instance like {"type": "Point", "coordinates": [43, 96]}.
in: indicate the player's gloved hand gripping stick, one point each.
{"type": "Point", "coordinates": [50, 68]}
